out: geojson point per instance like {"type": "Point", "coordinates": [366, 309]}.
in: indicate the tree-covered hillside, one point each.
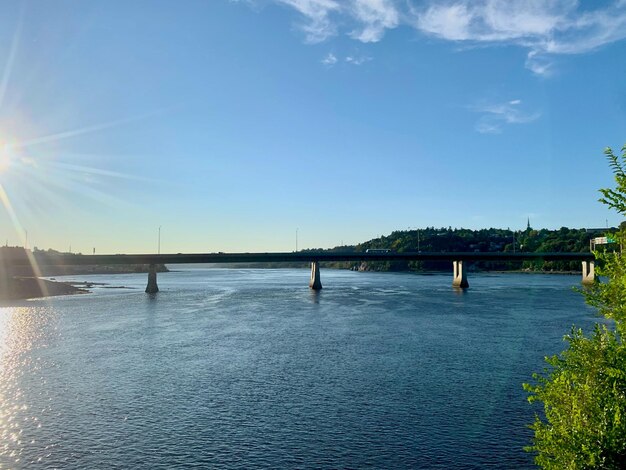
{"type": "Point", "coordinates": [433, 239]}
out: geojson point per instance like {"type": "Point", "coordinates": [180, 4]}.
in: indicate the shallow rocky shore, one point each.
{"type": "Point", "coordinates": [20, 288]}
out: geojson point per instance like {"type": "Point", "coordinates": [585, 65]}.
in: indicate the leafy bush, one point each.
{"type": "Point", "coordinates": [584, 395]}
{"type": "Point", "coordinates": [584, 389]}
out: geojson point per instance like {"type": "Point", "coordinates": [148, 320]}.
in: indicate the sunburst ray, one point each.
{"type": "Point", "coordinates": [8, 68]}
{"type": "Point", "coordinates": [6, 202]}
{"type": "Point", "coordinates": [81, 131]}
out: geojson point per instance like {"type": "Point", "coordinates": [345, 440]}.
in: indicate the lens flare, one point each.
{"type": "Point", "coordinates": [5, 157]}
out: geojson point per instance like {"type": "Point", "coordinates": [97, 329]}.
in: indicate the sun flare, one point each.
{"type": "Point", "coordinates": [5, 157]}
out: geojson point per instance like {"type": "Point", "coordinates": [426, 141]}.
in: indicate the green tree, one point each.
{"type": "Point", "coordinates": [584, 388]}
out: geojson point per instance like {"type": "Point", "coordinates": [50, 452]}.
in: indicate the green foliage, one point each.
{"type": "Point", "coordinates": [616, 198]}
{"type": "Point", "coordinates": [585, 404]}
{"type": "Point", "coordinates": [610, 297]}
{"type": "Point", "coordinates": [584, 389]}
{"type": "Point", "coordinates": [433, 239]}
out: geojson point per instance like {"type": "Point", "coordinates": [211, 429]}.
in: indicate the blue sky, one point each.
{"type": "Point", "coordinates": [231, 124]}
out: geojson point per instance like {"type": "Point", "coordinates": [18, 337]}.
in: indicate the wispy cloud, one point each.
{"type": "Point", "coordinates": [496, 116]}
{"type": "Point", "coordinates": [330, 59]}
{"type": "Point", "coordinates": [375, 17]}
{"type": "Point", "coordinates": [545, 28]}
{"type": "Point", "coordinates": [491, 20]}
{"type": "Point", "coordinates": [369, 18]}
{"type": "Point", "coordinates": [539, 63]}
{"type": "Point", "coordinates": [318, 25]}
{"type": "Point", "coordinates": [357, 60]}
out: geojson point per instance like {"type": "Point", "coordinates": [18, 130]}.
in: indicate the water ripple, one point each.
{"type": "Point", "coordinates": [247, 368]}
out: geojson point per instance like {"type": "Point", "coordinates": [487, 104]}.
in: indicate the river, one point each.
{"type": "Point", "coordinates": [244, 368]}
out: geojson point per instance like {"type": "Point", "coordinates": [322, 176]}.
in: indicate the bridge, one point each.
{"type": "Point", "coordinates": [458, 260]}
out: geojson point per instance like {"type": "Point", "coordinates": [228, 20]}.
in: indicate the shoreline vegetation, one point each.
{"type": "Point", "coordinates": [491, 240]}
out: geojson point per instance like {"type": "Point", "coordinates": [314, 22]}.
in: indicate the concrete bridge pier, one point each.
{"type": "Point", "coordinates": [460, 276]}
{"type": "Point", "coordinates": [589, 275]}
{"type": "Point", "coordinates": [152, 287]}
{"type": "Point", "coordinates": [315, 283]}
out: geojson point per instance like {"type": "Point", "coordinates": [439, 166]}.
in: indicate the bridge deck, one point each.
{"type": "Point", "coordinates": [73, 260]}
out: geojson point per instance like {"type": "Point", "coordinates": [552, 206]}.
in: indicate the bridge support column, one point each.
{"type": "Point", "coordinates": [315, 283]}
{"type": "Point", "coordinates": [460, 276]}
{"type": "Point", "coordinates": [152, 287]}
{"type": "Point", "coordinates": [589, 275]}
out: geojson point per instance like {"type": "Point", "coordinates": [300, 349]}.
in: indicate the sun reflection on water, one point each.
{"type": "Point", "coordinates": [23, 329]}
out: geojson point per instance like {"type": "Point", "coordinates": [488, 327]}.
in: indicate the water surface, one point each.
{"type": "Point", "coordinates": [240, 368]}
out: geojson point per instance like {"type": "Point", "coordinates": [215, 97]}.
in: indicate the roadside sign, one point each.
{"type": "Point", "coordinates": [603, 240]}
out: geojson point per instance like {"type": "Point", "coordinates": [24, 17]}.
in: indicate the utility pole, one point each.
{"type": "Point", "coordinates": [296, 240]}
{"type": "Point", "coordinates": [159, 243]}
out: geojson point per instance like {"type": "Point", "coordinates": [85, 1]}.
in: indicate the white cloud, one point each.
{"type": "Point", "coordinates": [375, 16]}
{"type": "Point", "coordinates": [495, 116]}
{"type": "Point", "coordinates": [539, 63]}
{"type": "Point", "coordinates": [544, 27]}
{"type": "Point", "coordinates": [317, 13]}
{"type": "Point", "coordinates": [493, 20]}
{"type": "Point", "coordinates": [369, 18]}
{"type": "Point", "coordinates": [330, 59]}
{"type": "Point", "coordinates": [449, 22]}
{"type": "Point", "coordinates": [357, 60]}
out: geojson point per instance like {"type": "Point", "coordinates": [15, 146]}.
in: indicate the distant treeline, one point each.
{"type": "Point", "coordinates": [431, 239]}
{"type": "Point", "coordinates": [8, 252]}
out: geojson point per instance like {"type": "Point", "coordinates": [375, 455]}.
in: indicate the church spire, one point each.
{"type": "Point", "coordinates": [528, 224]}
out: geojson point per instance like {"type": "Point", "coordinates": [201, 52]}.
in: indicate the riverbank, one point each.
{"type": "Point", "coordinates": [25, 285]}
{"type": "Point", "coordinates": [22, 288]}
